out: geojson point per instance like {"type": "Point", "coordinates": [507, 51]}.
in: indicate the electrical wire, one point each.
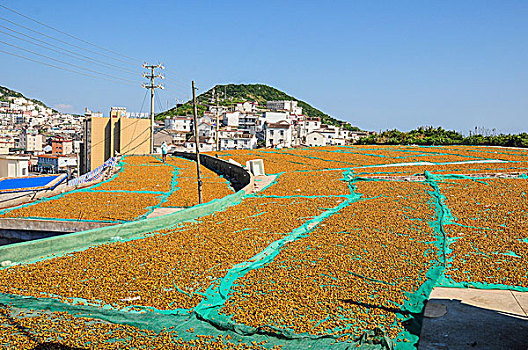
{"type": "Point", "coordinates": [134, 139]}
{"type": "Point", "coordinates": [160, 107]}
{"type": "Point", "coordinates": [180, 87]}
{"type": "Point", "coordinates": [126, 127]}
{"type": "Point", "coordinates": [68, 34]}
{"type": "Point", "coordinates": [69, 64]}
{"type": "Point", "coordinates": [143, 103]}
{"type": "Point", "coordinates": [175, 83]}
{"type": "Point", "coordinates": [73, 54]}
{"type": "Point", "coordinates": [63, 68]}
{"type": "Point", "coordinates": [64, 42]}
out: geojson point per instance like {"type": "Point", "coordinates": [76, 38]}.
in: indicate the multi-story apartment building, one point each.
{"type": "Point", "coordinates": [31, 141]}
{"type": "Point", "coordinates": [106, 137]}
{"type": "Point", "coordinates": [278, 134]}
{"type": "Point", "coordinates": [61, 145]}
{"type": "Point", "coordinates": [179, 123]}
{"type": "Point", "coordinates": [248, 123]}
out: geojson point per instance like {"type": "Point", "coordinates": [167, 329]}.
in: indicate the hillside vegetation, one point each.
{"type": "Point", "coordinates": [438, 136]}
{"type": "Point", "coordinates": [231, 94]}
{"type": "Point", "coordinates": [6, 92]}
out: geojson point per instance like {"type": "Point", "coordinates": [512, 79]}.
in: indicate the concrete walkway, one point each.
{"type": "Point", "coordinates": [457, 318]}
{"type": "Point", "coordinates": [163, 211]}
{"type": "Point", "coordinates": [262, 181]}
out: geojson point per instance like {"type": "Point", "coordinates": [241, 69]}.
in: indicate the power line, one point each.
{"type": "Point", "coordinates": [160, 106]}
{"type": "Point", "coordinates": [143, 103]}
{"type": "Point", "coordinates": [62, 68]}
{"type": "Point", "coordinates": [140, 144]}
{"type": "Point", "coordinates": [62, 41]}
{"type": "Point", "coordinates": [176, 83]}
{"type": "Point", "coordinates": [68, 34]}
{"type": "Point", "coordinates": [70, 64]}
{"type": "Point", "coordinates": [73, 54]}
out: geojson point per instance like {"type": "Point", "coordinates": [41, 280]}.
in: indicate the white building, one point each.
{"type": "Point", "coordinates": [31, 141]}
{"type": "Point", "coordinates": [274, 117]}
{"type": "Point", "coordinates": [331, 136]}
{"type": "Point", "coordinates": [278, 134]}
{"type": "Point", "coordinates": [248, 123]}
{"type": "Point", "coordinates": [315, 139]}
{"type": "Point", "coordinates": [14, 166]}
{"type": "Point", "coordinates": [179, 123]}
{"type": "Point", "coordinates": [208, 117]}
{"type": "Point", "coordinates": [231, 119]}
{"type": "Point", "coordinates": [206, 144]}
{"type": "Point", "coordinates": [247, 107]}
{"type": "Point", "coordinates": [67, 162]}
{"type": "Point", "coordinates": [206, 129]}
{"type": "Point", "coordinates": [289, 106]}
{"type": "Point", "coordinates": [19, 101]}
{"type": "Point", "coordinates": [356, 135]}
{"type": "Point", "coordinates": [306, 126]}
{"type": "Point", "coordinates": [77, 146]}
{"type": "Point", "coordinates": [239, 141]}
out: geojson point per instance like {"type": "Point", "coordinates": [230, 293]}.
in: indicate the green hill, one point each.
{"type": "Point", "coordinates": [6, 92]}
{"type": "Point", "coordinates": [231, 94]}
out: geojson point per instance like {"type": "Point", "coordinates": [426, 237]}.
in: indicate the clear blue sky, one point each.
{"type": "Point", "coordinates": [378, 64]}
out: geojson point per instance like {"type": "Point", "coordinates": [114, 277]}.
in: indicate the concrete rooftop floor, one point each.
{"type": "Point", "coordinates": [457, 318]}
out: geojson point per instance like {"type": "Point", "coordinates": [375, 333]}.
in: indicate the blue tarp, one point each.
{"type": "Point", "coordinates": [26, 182]}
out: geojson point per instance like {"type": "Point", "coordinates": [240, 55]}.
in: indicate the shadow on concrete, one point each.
{"type": "Point", "coordinates": [469, 327]}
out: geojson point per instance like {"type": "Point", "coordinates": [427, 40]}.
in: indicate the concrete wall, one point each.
{"type": "Point", "coordinates": [18, 230]}
{"type": "Point", "coordinates": [31, 250]}
{"type": "Point", "coordinates": [97, 145]}
{"type": "Point", "coordinates": [238, 176]}
{"type": "Point", "coordinates": [134, 136]}
{"type": "Point", "coordinates": [13, 166]}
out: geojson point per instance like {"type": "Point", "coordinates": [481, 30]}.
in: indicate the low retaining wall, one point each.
{"type": "Point", "coordinates": [37, 249]}
{"type": "Point", "coordinates": [59, 226]}
{"type": "Point", "coordinates": [237, 175]}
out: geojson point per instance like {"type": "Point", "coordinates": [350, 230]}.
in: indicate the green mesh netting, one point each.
{"type": "Point", "coordinates": [205, 318]}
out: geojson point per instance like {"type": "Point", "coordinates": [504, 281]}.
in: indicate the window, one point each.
{"type": "Point", "coordinates": [271, 132]}
{"type": "Point", "coordinates": [282, 132]}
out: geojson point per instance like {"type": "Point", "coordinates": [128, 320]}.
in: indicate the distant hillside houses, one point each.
{"type": "Point", "coordinates": [27, 126]}
{"type": "Point", "coordinates": [281, 124]}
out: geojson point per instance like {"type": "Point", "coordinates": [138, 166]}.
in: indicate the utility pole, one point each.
{"type": "Point", "coordinates": [217, 124]}
{"type": "Point", "coordinates": [215, 97]}
{"type": "Point", "coordinates": [197, 142]}
{"type": "Point", "coordinates": [152, 87]}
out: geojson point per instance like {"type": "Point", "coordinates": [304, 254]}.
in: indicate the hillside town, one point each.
{"type": "Point", "coordinates": [246, 125]}
{"type": "Point", "coordinates": [37, 139]}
